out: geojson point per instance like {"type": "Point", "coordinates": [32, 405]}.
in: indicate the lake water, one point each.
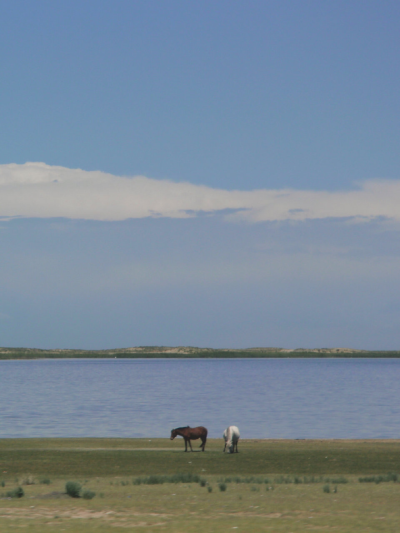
{"type": "Point", "coordinates": [266, 398]}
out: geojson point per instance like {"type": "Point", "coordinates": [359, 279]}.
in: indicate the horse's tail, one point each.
{"type": "Point", "coordinates": [204, 438]}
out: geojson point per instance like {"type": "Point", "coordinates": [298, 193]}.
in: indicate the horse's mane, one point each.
{"type": "Point", "coordinates": [183, 427]}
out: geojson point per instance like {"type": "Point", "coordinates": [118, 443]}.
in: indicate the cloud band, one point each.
{"type": "Point", "coordinates": [40, 190]}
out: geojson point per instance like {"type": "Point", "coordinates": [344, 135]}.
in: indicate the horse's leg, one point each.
{"type": "Point", "coordinates": [223, 451]}
{"type": "Point", "coordinates": [190, 444]}
{"type": "Point", "coordinates": [203, 443]}
{"type": "Point", "coordinates": [185, 443]}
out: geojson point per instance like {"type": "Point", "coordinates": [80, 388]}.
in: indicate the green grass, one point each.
{"type": "Point", "coordinates": [144, 457]}
{"type": "Point", "coordinates": [269, 486]}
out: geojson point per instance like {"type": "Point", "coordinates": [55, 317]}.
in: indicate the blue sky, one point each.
{"type": "Point", "coordinates": [220, 174]}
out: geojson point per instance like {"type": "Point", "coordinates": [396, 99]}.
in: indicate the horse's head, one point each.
{"type": "Point", "coordinates": [229, 447]}
{"type": "Point", "coordinates": [178, 431]}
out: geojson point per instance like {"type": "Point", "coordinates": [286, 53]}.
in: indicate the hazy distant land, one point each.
{"type": "Point", "coordinates": [187, 352]}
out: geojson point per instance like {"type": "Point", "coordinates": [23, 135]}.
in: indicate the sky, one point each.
{"type": "Point", "coordinates": [218, 174]}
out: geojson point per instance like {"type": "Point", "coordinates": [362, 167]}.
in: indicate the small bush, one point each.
{"type": "Point", "coordinates": [88, 494]}
{"type": "Point", "coordinates": [3, 483]}
{"type": "Point", "coordinates": [238, 479]}
{"type": "Point", "coordinates": [203, 482]}
{"type": "Point", "coordinates": [312, 479]}
{"type": "Point", "coordinates": [326, 488]}
{"type": "Point", "coordinates": [222, 487]}
{"type": "Point", "coordinates": [308, 479]}
{"type": "Point", "coordinates": [283, 479]}
{"type": "Point", "coordinates": [254, 489]}
{"type": "Point", "coordinates": [368, 479]}
{"type": "Point", "coordinates": [209, 488]}
{"type": "Point", "coordinates": [28, 480]}
{"type": "Point", "coordinates": [73, 489]}
{"type": "Point", "coordinates": [379, 479]}
{"type": "Point", "coordinates": [16, 493]}
{"type": "Point", "coordinates": [183, 478]}
{"type": "Point", "coordinates": [44, 481]}
{"type": "Point", "coordinates": [159, 480]}
{"type": "Point", "coordinates": [154, 480]}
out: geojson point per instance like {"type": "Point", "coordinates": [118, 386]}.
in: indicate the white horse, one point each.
{"type": "Point", "coordinates": [231, 437]}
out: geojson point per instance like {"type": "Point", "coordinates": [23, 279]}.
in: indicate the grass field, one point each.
{"type": "Point", "coordinates": [271, 485]}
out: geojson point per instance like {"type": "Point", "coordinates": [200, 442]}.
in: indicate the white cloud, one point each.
{"type": "Point", "coordinates": [40, 190]}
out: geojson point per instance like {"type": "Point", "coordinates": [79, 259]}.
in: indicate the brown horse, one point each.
{"type": "Point", "coordinates": [189, 434]}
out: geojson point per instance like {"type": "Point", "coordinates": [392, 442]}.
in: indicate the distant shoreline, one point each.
{"type": "Point", "coordinates": [187, 352]}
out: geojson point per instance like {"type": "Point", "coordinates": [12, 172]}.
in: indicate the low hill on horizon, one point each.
{"type": "Point", "coordinates": [189, 352]}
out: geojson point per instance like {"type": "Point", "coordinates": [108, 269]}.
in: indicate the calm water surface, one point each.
{"type": "Point", "coordinates": [266, 398]}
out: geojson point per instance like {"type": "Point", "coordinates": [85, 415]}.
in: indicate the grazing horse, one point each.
{"type": "Point", "coordinates": [189, 434]}
{"type": "Point", "coordinates": [231, 437]}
